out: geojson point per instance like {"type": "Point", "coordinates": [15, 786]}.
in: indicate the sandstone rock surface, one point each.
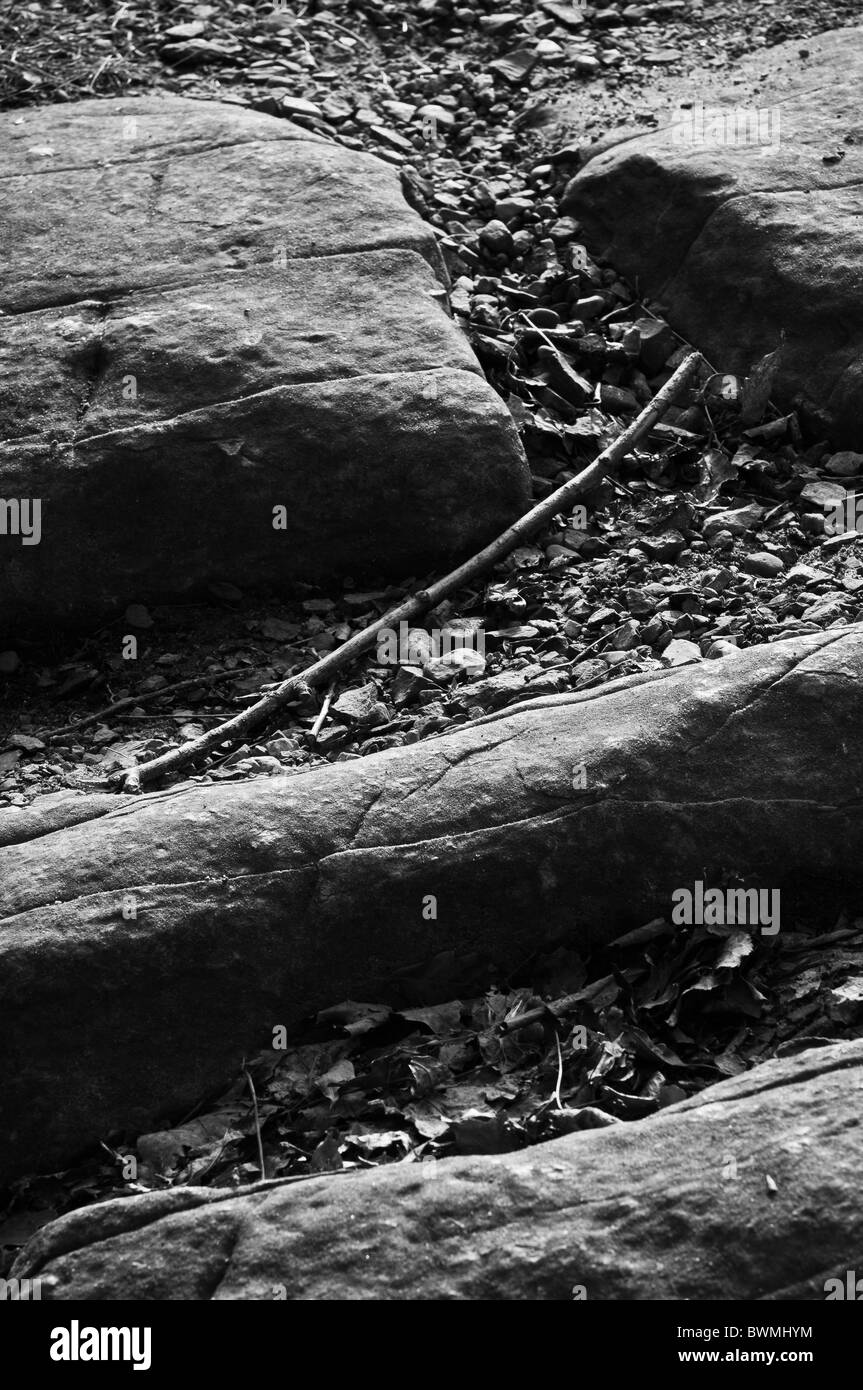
{"type": "Point", "coordinates": [147, 944]}
{"type": "Point", "coordinates": [212, 314]}
{"type": "Point", "coordinates": [748, 226]}
{"type": "Point", "coordinates": [749, 1190]}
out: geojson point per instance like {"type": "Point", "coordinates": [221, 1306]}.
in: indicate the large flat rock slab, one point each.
{"type": "Point", "coordinates": [747, 226]}
{"type": "Point", "coordinates": [104, 197]}
{"type": "Point", "coordinates": [673, 1207]}
{"type": "Point", "coordinates": [211, 314]}
{"type": "Point", "coordinates": [147, 944]}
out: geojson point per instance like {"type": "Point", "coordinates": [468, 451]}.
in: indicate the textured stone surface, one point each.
{"type": "Point", "coordinates": [257, 903]}
{"type": "Point", "coordinates": [743, 241]}
{"type": "Point", "coordinates": [212, 314]}
{"type": "Point", "coordinates": [674, 1207]}
{"type": "Point", "coordinates": [374, 475]}
{"type": "Point", "coordinates": [359, 315]}
{"type": "Point", "coordinates": [143, 192]}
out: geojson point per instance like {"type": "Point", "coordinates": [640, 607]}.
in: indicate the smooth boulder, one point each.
{"type": "Point", "coordinates": [147, 944]}
{"type": "Point", "coordinates": [741, 214]}
{"type": "Point", "coordinates": [749, 1191]}
{"type": "Point", "coordinates": [227, 356]}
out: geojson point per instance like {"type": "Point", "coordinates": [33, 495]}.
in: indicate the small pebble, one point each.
{"type": "Point", "coordinates": [764, 564]}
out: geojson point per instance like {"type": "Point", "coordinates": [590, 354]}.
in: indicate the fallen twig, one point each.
{"type": "Point", "coordinates": [325, 19]}
{"type": "Point", "coordinates": [555, 1010]}
{"type": "Point", "coordinates": [817, 943]}
{"type": "Point", "coordinates": [141, 698]}
{"type": "Point", "coordinates": [323, 671]}
{"type": "Point", "coordinates": [325, 709]}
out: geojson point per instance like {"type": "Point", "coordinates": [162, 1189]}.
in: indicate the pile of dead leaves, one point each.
{"type": "Point", "coordinates": [587, 1042]}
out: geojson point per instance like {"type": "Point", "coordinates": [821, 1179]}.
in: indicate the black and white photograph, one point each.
{"type": "Point", "coordinates": [431, 671]}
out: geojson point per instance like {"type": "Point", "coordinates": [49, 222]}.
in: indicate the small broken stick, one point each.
{"type": "Point", "coordinates": [325, 709]}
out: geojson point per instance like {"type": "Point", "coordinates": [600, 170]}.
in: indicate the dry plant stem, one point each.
{"type": "Point", "coordinates": [557, 1096]}
{"type": "Point", "coordinates": [257, 1124]}
{"type": "Point", "coordinates": [329, 666]}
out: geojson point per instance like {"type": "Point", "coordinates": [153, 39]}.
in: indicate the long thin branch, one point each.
{"type": "Point", "coordinates": [323, 671]}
